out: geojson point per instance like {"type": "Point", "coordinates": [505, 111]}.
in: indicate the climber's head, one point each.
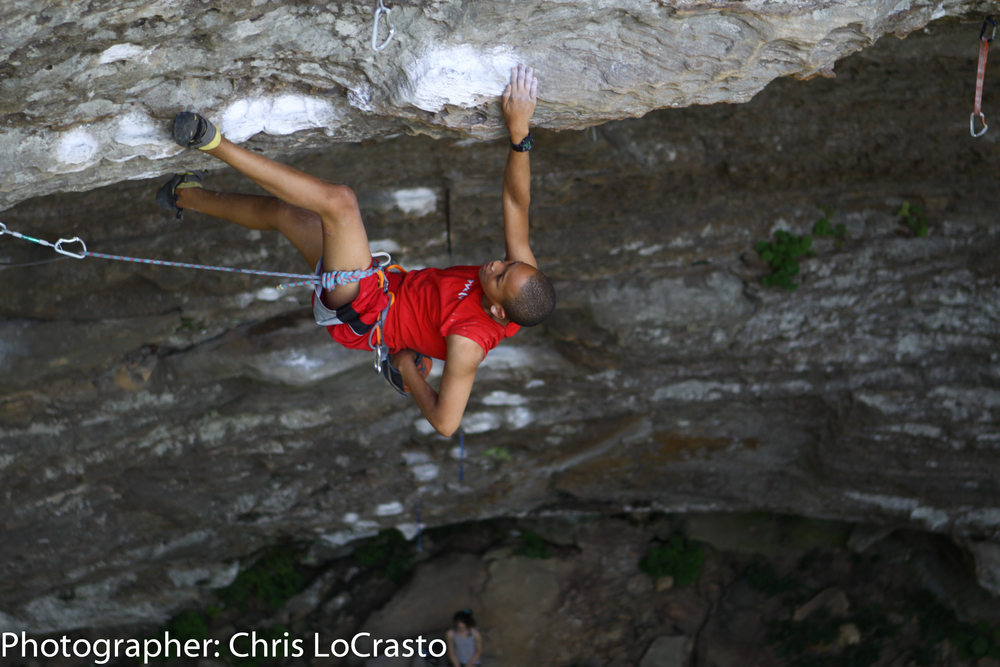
{"type": "Point", "coordinates": [517, 292]}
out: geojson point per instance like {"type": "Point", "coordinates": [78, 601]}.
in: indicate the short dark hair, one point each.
{"type": "Point", "coordinates": [533, 303]}
{"type": "Point", "coordinates": [464, 616]}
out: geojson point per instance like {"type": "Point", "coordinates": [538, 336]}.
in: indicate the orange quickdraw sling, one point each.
{"type": "Point", "coordinates": [984, 47]}
{"type": "Point", "coordinates": [376, 341]}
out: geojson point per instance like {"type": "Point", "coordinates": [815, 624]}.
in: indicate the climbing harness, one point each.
{"type": "Point", "coordinates": [327, 280]}
{"type": "Point", "coordinates": [381, 9]}
{"type": "Point", "coordinates": [984, 46]}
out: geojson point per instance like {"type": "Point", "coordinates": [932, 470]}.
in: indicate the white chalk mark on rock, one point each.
{"type": "Point", "coordinates": [416, 201]}
{"type": "Point", "coordinates": [460, 75]}
{"type": "Point", "coordinates": [76, 147]}
{"type": "Point", "coordinates": [120, 52]}
{"type": "Point", "coordinates": [284, 114]}
{"type": "Point", "coordinates": [389, 509]}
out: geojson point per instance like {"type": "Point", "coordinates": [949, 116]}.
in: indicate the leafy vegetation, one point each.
{"type": "Point", "coordinates": [388, 552]}
{"type": "Point", "coordinates": [272, 580]}
{"type": "Point", "coordinates": [190, 324]}
{"type": "Point", "coordinates": [937, 623]}
{"type": "Point", "coordinates": [823, 227]}
{"type": "Point", "coordinates": [913, 217]}
{"type": "Point", "coordinates": [497, 454]}
{"type": "Point", "coordinates": [678, 558]}
{"type": "Point", "coordinates": [763, 577]}
{"type": "Point", "coordinates": [533, 546]}
{"type": "Point", "coordinates": [808, 643]}
{"type": "Point", "coordinates": [781, 256]}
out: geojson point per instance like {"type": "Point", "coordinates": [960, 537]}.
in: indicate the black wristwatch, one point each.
{"type": "Point", "coordinates": [524, 146]}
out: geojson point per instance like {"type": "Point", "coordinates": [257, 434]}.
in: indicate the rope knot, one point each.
{"type": "Point", "coordinates": [331, 279]}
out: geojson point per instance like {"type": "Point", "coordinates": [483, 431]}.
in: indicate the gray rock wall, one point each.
{"type": "Point", "coordinates": [158, 424]}
{"type": "Point", "coordinates": [87, 90]}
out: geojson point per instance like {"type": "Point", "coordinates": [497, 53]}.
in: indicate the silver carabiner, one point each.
{"type": "Point", "coordinates": [972, 124]}
{"type": "Point", "coordinates": [76, 239]}
{"type": "Point", "coordinates": [379, 11]}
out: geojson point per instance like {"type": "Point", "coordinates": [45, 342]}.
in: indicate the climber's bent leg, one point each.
{"type": "Point", "coordinates": [301, 227]}
{"type": "Point", "coordinates": [345, 242]}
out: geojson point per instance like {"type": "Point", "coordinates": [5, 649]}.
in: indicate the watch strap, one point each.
{"type": "Point", "coordinates": [524, 146]}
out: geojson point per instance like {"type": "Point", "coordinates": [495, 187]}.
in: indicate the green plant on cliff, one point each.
{"type": "Point", "coordinates": [972, 641]}
{"type": "Point", "coordinates": [497, 454]}
{"type": "Point", "coordinates": [272, 580]}
{"type": "Point", "coordinates": [781, 255]}
{"type": "Point", "coordinates": [762, 576]}
{"type": "Point", "coordinates": [182, 627]}
{"type": "Point", "coordinates": [389, 553]}
{"type": "Point", "coordinates": [679, 558]}
{"type": "Point", "coordinates": [813, 642]}
{"type": "Point", "coordinates": [824, 228]}
{"type": "Point", "coordinates": [533, 546]}
{"type": "Point", "coordinates": [913, 217]}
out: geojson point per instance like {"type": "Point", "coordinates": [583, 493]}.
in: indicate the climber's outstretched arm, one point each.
{"type": "Point", "coordinates": [518, 104]}
{"type": "Point", "coordinates": [444, 409]}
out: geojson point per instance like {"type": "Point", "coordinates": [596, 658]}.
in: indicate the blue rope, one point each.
{"type": "Point", "coordinates": [420, 530]}
{"type": "Point", "coordinates": [461, 456]}
{"type": "Point", "coordinates": [328, 280]}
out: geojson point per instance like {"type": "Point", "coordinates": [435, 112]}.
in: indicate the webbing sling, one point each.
{"type": "Point", "coordinates": [984, 47]}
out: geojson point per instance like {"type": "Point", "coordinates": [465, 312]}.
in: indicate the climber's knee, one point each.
{"type": "Point", "coordinates": [340, 204]}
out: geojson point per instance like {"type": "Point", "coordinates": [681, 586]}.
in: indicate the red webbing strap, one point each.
{"type": "Point", "coordinates": [984, 47]}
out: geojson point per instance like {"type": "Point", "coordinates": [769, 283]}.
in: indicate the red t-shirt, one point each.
{"type": "Point", "coordinates": [432, 304]}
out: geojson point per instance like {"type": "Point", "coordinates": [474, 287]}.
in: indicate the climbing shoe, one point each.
{"type": "Point", "coordinates": [192, 130]}
{"type": "Point", "coordinates": [166, 197]}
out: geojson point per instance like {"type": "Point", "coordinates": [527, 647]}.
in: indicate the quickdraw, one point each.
{"type": "Point", "coordinates": [984, 46]}
{"type": "Point", "coordinates": [375, 340]}
{"type": "Point", "coordinates": [328, 280]}
{"type": "Point", "coordinates": [381, 9]}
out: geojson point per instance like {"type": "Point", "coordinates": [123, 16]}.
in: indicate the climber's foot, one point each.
{"type": "Point", "coordinates": [193, 130]}
{"type": "Point", "coordinates": [166, 197]}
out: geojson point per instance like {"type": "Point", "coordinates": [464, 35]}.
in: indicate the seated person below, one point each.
{"type": "Point", "coordinates": [465, 644]}
{"type": "Point", "coordinates": [457, 314]}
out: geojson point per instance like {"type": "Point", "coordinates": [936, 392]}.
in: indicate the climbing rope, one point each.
{"type": "Point", "coordinates": [328, 280]}
{"type": "Point", "coordinates": [381, 10]}
{"type": "Point", "coordinates": [461, 456]}
{"type": "Point", "coordinates": [984, 47]}
{"type": "Point", "coordinates": [420, 530]}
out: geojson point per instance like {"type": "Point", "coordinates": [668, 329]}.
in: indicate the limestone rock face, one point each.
{"type": "Point", "coordinates": [87, 90]}
{"type": "Point", "coordinates": [159, 425]}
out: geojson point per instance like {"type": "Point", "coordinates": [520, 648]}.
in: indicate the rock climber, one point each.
{"type": "Point", "coordinates": [457, 314]}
